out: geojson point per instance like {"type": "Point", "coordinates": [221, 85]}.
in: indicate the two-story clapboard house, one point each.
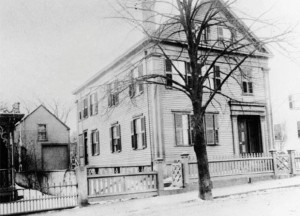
{"type": "Point", "coordinates": [134, 126]}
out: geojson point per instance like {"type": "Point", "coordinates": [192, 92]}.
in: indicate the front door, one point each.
{"type": "Point", "coordinates": [249, 134]}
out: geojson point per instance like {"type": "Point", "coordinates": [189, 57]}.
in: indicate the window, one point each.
{"type": "Point", "coordinates": [136, 89]}
{"type": "Point", "coordinates": [113, 94]}
{"type": "Point", "coordinates": [85, 108]}
{"type": "Point", "coordinates": [225, 35]}
{"type": "Point", "coordinates": [298, 128]}
{"type": "Point", "coordinates": [80, 110]}
{"type": "Point", "coordinates": [247, 81]}
{"type": "Point", "coordinates": [177, 75]}
{"type": "Point", "coordinates": [117, 170]}
{"type": "Point", "coordinates": [211, 129]}
{"type": "Point", "coordinates": [42, 132]}
{"type": "Point", "coordinates": [183, 129]}
{"type": "Point", "coordinates": [278, 131]}
{"type": "Point", "coordinates": [291, 102]}
{"type": "Point", "coordinates": [93, 104]}
{"type": "Point", "coordinates": [206, 35]}
{"type": "Point", "coordinates": [95, 142]}
{"type": "Point", "coordinates": [217, 78]}
{"type": "Point", "coordinates": [138, 133]}
{"type": "Point", "coordinates": [115, 137]}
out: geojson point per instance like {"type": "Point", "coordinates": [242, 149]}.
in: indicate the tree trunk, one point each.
{"type": "Point", "coordinates": [205, 183]}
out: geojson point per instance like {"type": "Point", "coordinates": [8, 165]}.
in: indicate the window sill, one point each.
{"type": "Point", "coordinates": [183, 145]}
{"type": "Point", "coordinates": [45, 140]}
{"type": "Point", "coordinates": [140, 149]}
{"type": "Point", "coordinates": [96, 155]}
{"type": "Point", "coordinates": [116, 152]}
{"type": "Point", "coordinates": [212, 144]}
{"type": "Point", "coordinates": [247, 94]}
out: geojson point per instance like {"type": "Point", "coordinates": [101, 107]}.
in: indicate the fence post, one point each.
{"type": "Point", "coordinates": [292, 161]}
{"type": "Point", "coordinates": [273, 153]}
{"type": "Point", "coordinates": [185, 169]}
{"type": "Point", "coordinates": [81, 175]}
{"type": "Point", "coordinates": [160, 174]}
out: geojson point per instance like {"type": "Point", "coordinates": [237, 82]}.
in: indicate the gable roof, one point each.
{"type": "Point", "coordinates": [145, 41]}
{"type": "Point", "coordinates": [42, 106]}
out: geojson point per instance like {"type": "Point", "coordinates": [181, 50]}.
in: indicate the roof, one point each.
{"type": "Point", "coordinates": [146, 40]}
{"type": "Point", "coordinates": [42, 106]}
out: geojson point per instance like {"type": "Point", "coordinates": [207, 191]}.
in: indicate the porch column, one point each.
{"type": "Point", "coordinates": [235, 135]}
{"type": "Point", "coordinates": [264, 134]}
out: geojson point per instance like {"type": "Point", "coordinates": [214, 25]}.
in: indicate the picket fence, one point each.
{"type": "Point", "coordinates": [52, 197]}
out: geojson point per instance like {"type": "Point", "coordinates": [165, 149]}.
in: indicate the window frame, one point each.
{"type": "Point", "coordinates": [40, 133]}
{"type": "Point", "coordinates": [137, 136]}
{"type": "Point", "coordinates": [113, 94]}
{"type": "Point", "coordinates": [247, 82]}
{"type": "Point", "coordinates": [217, 78]}
{"type": "Point", "coordinates": [95, 142]}
{"type": "Point", "coordinates": [93, 104]}
{"type": "Point", "coordinates": [215, 128]}
{"type": "Point", "coordinates": [189, 126]}
{"type": "Point", "coordinates": [115, 139]}
{"type": "Point", "coordinates": [85, 107]}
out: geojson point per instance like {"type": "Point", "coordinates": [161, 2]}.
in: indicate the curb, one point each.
{"type": "Point", "coordinates": [257, 190]}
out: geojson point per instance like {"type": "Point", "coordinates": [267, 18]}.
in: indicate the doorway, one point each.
{"type": "Point", "coordinates": [250, 140]}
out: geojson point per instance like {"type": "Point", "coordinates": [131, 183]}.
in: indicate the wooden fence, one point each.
{"type": "Point", "coordinates": [29, 200]}
{"type": "Point", "coordinates": [122, 185]}
{"type": "Point", "coordinates": [235, 165]}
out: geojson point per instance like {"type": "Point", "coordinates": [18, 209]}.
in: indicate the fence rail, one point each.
{"type": "Point", "coordinates": [92, 170]}
{"type": "Point", "coordinates": [122, 184]}
{"type": "Point", "coordinates": [29, 200]}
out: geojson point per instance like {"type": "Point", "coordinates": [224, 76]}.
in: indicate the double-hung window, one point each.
{"type": "Point", "coordinates": [176, 72]}
{"type": "Point", "coordinates": [136, 88]}
{"type": "Point", "coordinates": [42, 132]}
{"type": "Point", "coordinates": [85, 107]}
{"type": "Point", "coordinates": [247, 83]}
{"type": "Point", "coordinates": [138, 133]}
{"type": "Point", "coordinates": [211, 129]}
{"type": "Point", "coordinates": [206, 35]}
{"type": "Point", "coordinates": [113, 94]}
{"type": "Point", "coordinates": [115, 137]}
{"type": "Point", "coordinates": [93, 104]}
{"type": "Point", "coordinates": [95, 142]}
{"type": "Point", "coordinates": [217, 78]}
{"type": "Point", "coordinates": [183, 129]}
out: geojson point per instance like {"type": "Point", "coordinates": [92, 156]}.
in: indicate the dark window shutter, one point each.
{"type": "Point", "coordinates": [143, 130]}
{"type": "Point", "coordinates": [250, 87]}
{"type": "Point", "coordinates": [245, 89]}
{"type": "Point", "coordinates": [96, 103]}
{"type": "Point", "coordinates": [133, 135]}
{"type": "Point", "coordinates": [98, 143]}
{"type": "Point", "coordinates": [119, 146]}
{"type": "Point", "coordinates": [168, 64]}
{"type": "Point", "coordinates": [91, 104]}
{"type": "Point", "coordinates": [111, 139]}
{"type": "Point", "coordinates": [92, 143]}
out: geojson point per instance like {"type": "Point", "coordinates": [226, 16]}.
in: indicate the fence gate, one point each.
{"type": "Point", "coordinates": [283, 164]}
{"type": "Point", "coordinates": [45, 198]}
{"type": "Point", "coordinates": [177, 180]}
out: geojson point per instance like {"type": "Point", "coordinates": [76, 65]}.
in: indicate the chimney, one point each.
{"type": "Point", "coordinates": [148, 16]}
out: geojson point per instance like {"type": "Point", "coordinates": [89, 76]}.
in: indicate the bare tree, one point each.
{"type": "Point", "coordinates": [189, 26]}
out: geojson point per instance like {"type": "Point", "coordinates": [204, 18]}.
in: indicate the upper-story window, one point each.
{"type": "Point", "coordinates": [95, 142]}
{"type": "Point", "coordinates": [206, 35]}
{"type": "Point", "coordinates": [80, 109]}
{"type": "Point", "coordinates": [93, 104]}
{"type": "Point", "coordinates": [138, 133]}
{"type": "Point", "coordinates": [136, 88]}
{"type": "Point", "coordinates": [225, 35]}
{"type": "Point", "coordinates": [115, 137]}
{"type": "Point", "coordinates": [113, 94]}
{"type": "Point", "coordinates": [247, 83]}
{"type": "Point", "coordinates": [42, 132]}
{"type": "Point", "coordinates": [85, 107]}
{"type": "Point", "coordinates": [176, 72]}
{"type": "Point", "coordinates": [217, 78]}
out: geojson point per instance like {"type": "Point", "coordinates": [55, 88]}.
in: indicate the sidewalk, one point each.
{"type": "Point", "coordinates": [164, 203]}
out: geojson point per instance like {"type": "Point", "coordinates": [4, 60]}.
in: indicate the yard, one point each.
{"type": "Point", "coordinates": [274, 202]}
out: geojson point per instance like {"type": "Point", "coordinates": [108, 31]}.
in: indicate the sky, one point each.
{"type": "Point", "coordinates": [50, 47]}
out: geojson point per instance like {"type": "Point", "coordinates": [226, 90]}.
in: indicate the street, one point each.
{"type": "Point", "coordinates": [284, 201]}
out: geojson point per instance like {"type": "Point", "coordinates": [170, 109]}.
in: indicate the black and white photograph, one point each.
{"type": "Point", "coordinates": [150, 107]}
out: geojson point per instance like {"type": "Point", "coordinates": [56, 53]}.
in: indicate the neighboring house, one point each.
{"type": "Point", "coordinates": [146, 122]}
{"type": "Point", "coordinates": [8, 153]}
{"type": "Point", "coordinates": [287, 124]}
{"type": "Point", "coordinates": [44, 141]}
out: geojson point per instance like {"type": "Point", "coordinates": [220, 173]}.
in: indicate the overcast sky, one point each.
{"type": "Point", "coordinates": [50, 47]}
